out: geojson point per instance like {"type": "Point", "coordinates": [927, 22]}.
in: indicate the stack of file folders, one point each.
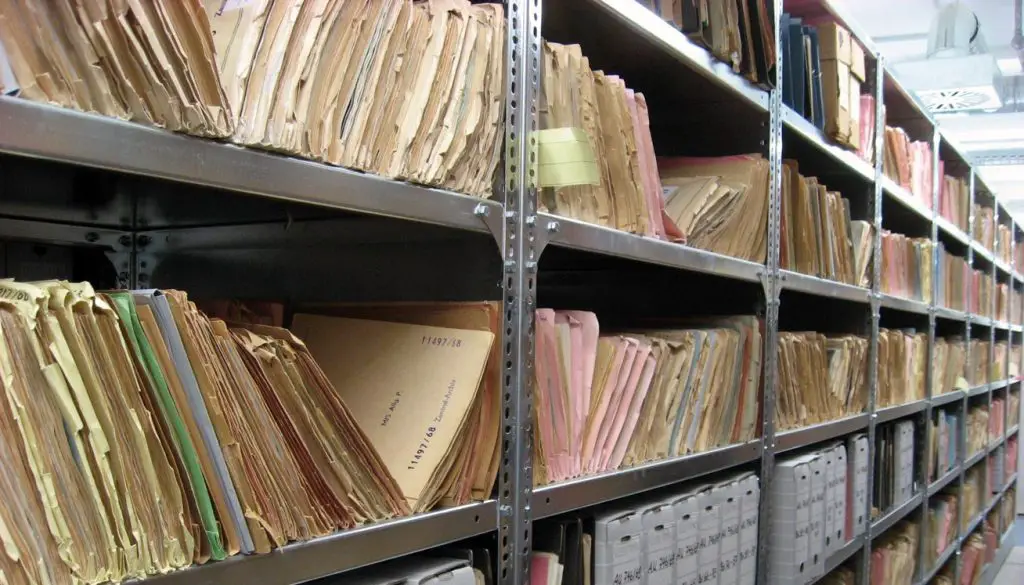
{"type": "Point", "coordinates": [1013, 409]}
{"type": "Point", "coordinates": [702, 532]}
{"type": "Point", "coordinates": [818, 237]}
{"type": "Point", "coordinates": [972, 495]}
{"type": "Point", "coordinates": [456, 567]}
{"type": "Point", "coordinates": [984, 226]}
{"type": "Point", "coordinates": [946, 575]}
{"type": "Point", "coordinates": [941, 525]}
{"type": "Point", "coordinates": [1013, 366]}
{"type": "Point", "coordinates": [997, 469]}
{"type": "Point", "coordinates": [716, 204]}
{"type": "Point", "coordinates": [974, 556]}
{"type": "Point", "coordinates": [909, 164]}
{"type": "Point", "coordinates": [1008, 510]}
{"type": "Point", "coordinates": [820, 378]}
{"type": "Point", "coordinates": [952, 280]}
{"type": "Point", "coordinates": [738, 33]}
{"type": "Point", "coordinates": [998, 371]}
{"type": "Point", "coordinates": [954, 200]}
{"type": "Point", "coordinates": [1004, 243]}
{"type": "Point", "coordinates": [943, 441]}
{"type": "Point", "coordinates": [1016, 302]}
{"type": "Point", "coordinates": [902, 360]}
{"type": "Point", "coordinates": [605, 401]}
{"type": "Point", "coordinates": [147, 437]}
{"type": "Point", "coordinates": [997, 412]}
{"type": "Point", "coordinates": [894, 465]}
{"type": "Point", "coordinates": [977, 430]}
{"type": "Point", "coordinates": [982, 293]}
{"type": "Point", "coordinates": [312, 79]}
{"type": "Point", "coordinates": [979, 360]}
{"type": "Point", "coordinates": [1002, 293]}
{"type": "Point", "coordinates": [1018, 258]}
{"type": "Point", "coordinates": [843, 575]}
{"type": "Point", "coordinates": [907, 266]}
{"type": "Point", "coordinates": [894, 555]}
{"type": "Point", "coordinates": [818, 503]}
{"type": "Point", "coordinates": [949, 358]}
{"type": "Point", "coordinates": [1010, 465]}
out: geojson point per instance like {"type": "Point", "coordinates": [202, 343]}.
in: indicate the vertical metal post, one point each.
{"type": "Point", "coordinates": [770, 284]}
{"type": "Point", "coordinates": [515, 478]}
{"type": "Point", "coordinates": [864, 578]}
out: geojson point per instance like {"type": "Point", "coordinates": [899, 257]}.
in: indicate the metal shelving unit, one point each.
{"type": "Point", "coordinates": [158, 170]}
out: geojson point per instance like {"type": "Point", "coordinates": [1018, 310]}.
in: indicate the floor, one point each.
{"type": "Point", "coordinates": [1012, 572]}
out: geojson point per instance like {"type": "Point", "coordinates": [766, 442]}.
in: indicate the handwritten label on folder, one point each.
{"type": "Point", "coordinates": [566, 157]}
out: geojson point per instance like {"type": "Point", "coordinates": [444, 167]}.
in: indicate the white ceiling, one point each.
{"type": "Point", "coordinates": [900, 30]}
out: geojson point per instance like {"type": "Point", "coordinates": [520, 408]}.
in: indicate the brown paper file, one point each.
{"type": "Point", "coordinates": [237, 30]}
{"type": "Point", "coordinates": [480, 316]}
{"type": "Point", "coordinates": [409, 387]}
{"type": "Point", "coordinates": [38, 402]}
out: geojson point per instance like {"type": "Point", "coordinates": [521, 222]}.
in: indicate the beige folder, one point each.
{"type": "Point", "coordinates": [410, 388]}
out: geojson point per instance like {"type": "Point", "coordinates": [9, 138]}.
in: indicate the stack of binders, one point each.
{"type": "Point", "coordinates": [894, 465]}
{"type": "Point", "coordinates": [949, 358]}
{"type": "Point", "coordinates": [818, 237]}
{"type": "Point", "coordinates": [171, 438]}
{"type": "Point", "coordinates": [613, 400]}
{"type": "Point", "coordinates": [820, 378]}
{"type": "Point", "coordinates": [738, 33]}
{"type": "Point", "coordinates": [907, 266]}
{"type": "Point", "coordinates": [704, 532]}
{"type": "Point", "coordinates": [817, 504]}
{"type": "Point", "coordinates": [902, 359]}
{"type": "Point", "coordinates": [312, 79]}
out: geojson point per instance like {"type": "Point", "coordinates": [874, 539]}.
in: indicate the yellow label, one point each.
{"type": "Point", "coordinates": [565, 157]}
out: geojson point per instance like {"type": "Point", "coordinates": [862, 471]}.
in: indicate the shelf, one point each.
{"type": "Point", "coordinates": [950, 229]}
{"type": "Point", "coordinates": [1004, 325]}
{"type": "Point", "coordinates": [940, 562]}
{"type": "Point", "coordinates": [840, 556]}
{"type": "Point", "coordinates": [1002, 265]}
{"type": "Point", "coordinates": [978, 390]}
{"type": "Point", "coordinates": [578, 235]}
{"type": "Point", "coordinates": [647, 24]}
{"type": "Point", "coordinates": [899, 411]}
{"type": "Point", "coordinates": [846, 158]}
{"type": "Point", "coordinates": [1012, 431]}
{"type": "Point", "coordinates": [796, 438]}
{"type": "Point", "coordinates": [51, 133]}
{"type": "Point", "coordinates": [980, 250]}
{"type": "Point", "coordinates": [974, 459]}
{"type": "Point", "coordinates": [951, 314]}
{"type": "Point", "coordinates": [588, 491]}
{"type": "Point", "coordinates": [980, 320]}
{"type": "Point", "coordinates": [824, 288]}
{"type": "Point", "coordinates": [890, 518]}
{"type": "Point", "coordinates": [902, 304]}
{"type": "Point", "coordinates": [304, 561]}
{"type": "Point", "coordinates": [948, 397]}
{"type": "Point", "coordinates": [905, 198]}
{"type": "Point", "coordinates": [937, 485]}
{"type": "Point", "coordinates": [994, 444]}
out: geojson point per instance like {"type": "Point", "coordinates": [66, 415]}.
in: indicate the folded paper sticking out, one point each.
{"type": "Point", "coordinates": [409, 387]}
{"type": "Point", "coordinates": [820, 378]}
{"type": "Point", "coordinates": [565, 157]}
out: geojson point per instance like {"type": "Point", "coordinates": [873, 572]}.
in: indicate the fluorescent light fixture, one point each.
{"type": "Point", "coordinates": [1009, 66]}
{"type": "Point", "coordinates": [1002, 173]}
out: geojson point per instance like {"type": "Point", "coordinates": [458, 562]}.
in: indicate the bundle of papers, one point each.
{"type": "Point", "coordinates": [414, 390]}
{"type": "Point", "coordinates": [144, 436]}
{"type": "Point", "coordinates": [841, 576]}
{"type": "Point", "coordinates": [818, 237]}
{"type": "Point", "coordinates": [719, 204]}
{"type": "Point", "coordinates": [941, 525]}
{"type": "Point", "coordinates": [972, 494]}
{"type": "Point", "coordinates": [998, 369]}
{"type": "Point", "coordinates": [738, 33]}
{"type": "Point", "coordinates": [977, 429]}
{"type": "Point", "coordinates": [953, 279]}
{"type": "Point", "coordinates": [943, 443]}
{"type": "Point", "coordinates": [909, 163]}
{"type": "Point", "coordinates": [902, 359]}
{"type": "Point", "coordinates": [480, 448]}
{"type": "Point", "coordinates": [1004, 242]}
{"type": "Point", "coordinates": [984, 225]}
{"type": "Point", "coordinates": [612, 400]}
{"type": "Point", "coordinates": [820, 378]}
{"type": "Point", "coordinates": [973, 559]}
{"type": "Point", "coordinates": [949, 357]}
{"type": "Point", "coordinates": [625, 194]}
{"type": "Point", "coordinates": [907, 266]}
{"type": "Point", "coordinates": [954, 200]}
{"type": "Point", "coordinates": [413, 91]}
{"type": "Point", "coordinates": [1002, 301]}
{"type": "Point", "coordinates": [979, 359]}
{"type": "Point", "coordinates": [894, 555]}
{"type": "Point", "coordinates": [982, 293]}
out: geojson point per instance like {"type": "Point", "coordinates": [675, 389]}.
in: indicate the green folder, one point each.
{"type": "Point", "coordinates": [124, 304]}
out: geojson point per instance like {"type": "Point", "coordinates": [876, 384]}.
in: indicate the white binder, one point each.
{"type": "Point", "coordinates": [839, 535]}
{"type": "Point", "coordinates": [857, 488]}
{"type": "Point", "coordinates": [788, 557]}
{"type": "Point", "coordinates": [687, 527]}
{"type": "Point", "coordinates": [617, 548]}
{"type": "Point", "coordinates": [659, 543]}
{"type": "Point", "coordinates": [816, 539]}
{"type": "Point", "coordinates": [727, 499]}
{"type": "Point", "coordinates": [750, 492]}
{"type": "Point", "coordinates": [709, 522]}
